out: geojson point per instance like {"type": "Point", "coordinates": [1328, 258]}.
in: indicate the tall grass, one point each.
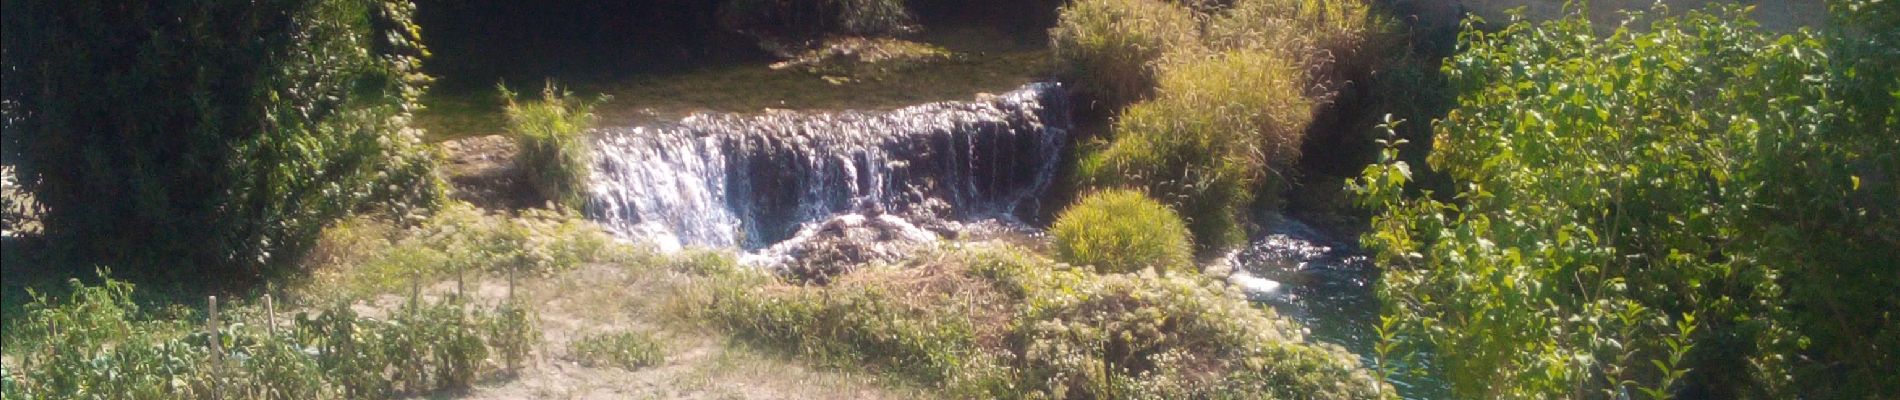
{"type": "Point", "coordinates": [551, 134]}
{"type": "Point", "coordinates": [1122, 231]}
{"type": "Point", "coordinates": [625, 350]}
{"type": "Point", "coordinates": [1301, 29]}
{"type": "Point", "coordinates": [1110, 49]}
{"type": "Point", "coordinates": [1221, 128]}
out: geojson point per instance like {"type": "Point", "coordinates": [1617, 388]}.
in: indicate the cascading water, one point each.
{"type": "Point", "coordinates": [750, 181]}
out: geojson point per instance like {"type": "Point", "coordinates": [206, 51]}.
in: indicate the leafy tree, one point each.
{"type": "Point", "coordinates": [210, 136]}
{"type": "Point", "coordinates": [1696, 208]}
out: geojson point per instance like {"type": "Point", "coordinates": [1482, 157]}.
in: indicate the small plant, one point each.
{"type": "Point", "coordinates": [551, 134]}
{"type": "Point", "coordinates": [513, 333]}
{"type": "Point", "coordinates": [1122, 231]}
{"type": "Point", "coordinates": [1298, 29]}
{"type": "Point", "coordinates": [625, 350]}
{"type": "Point", "coordinates": [1110, 49]}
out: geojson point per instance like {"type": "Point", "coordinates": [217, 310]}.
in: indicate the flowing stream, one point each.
{"type": "Point", "coordinates": [751, 181]}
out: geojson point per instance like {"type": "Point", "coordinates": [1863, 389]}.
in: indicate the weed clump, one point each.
{"type": "Point", "coordinates": [367, 255]}
{"type": "Point", "coordinates": [1222, 127]}
{"type": "Point", "coordinates": [625, 350]}
{"type": "Point", "coordinates": [1122, 231]}
{"type": "Point", "coordinates": [1110, 49]}
{"type": "Point", "coordinates": [552, 136]}
{"type": "Point", "coordinates": [1309, 30]}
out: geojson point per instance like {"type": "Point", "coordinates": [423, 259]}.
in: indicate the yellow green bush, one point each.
{"type": "Point", "coordinates": [1222, 128]}
{"type": "Point", "coordinates": [551, 137]}
{"type": "Point", "coordinates": [1109, 49]}
{"type": "Point", "coordinates": [1122, 231]}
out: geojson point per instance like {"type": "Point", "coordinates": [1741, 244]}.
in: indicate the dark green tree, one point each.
{"type": "Point", "coordinates": [212, 135]}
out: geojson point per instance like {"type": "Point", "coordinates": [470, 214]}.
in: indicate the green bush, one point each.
{"type": "Point", "coordinates": [1002, 323]}
{"type": "Point", "coordinates": [1110, 49]}
{"type": "Point", "coordinates": [1695, 208]}
{"type": "Point", "coordinates": [1180, 336]}
{"type": "Point", "coordinates": [210, 137]}
{"type": "Point", "coordinates": [1221, 128]}
{"type": "Point", "coordinates": [99, 344]}
{"type": "Point", "coordinates": [625, 350]}
{"type": "Point", "coordinates": [551, 137]}
{"type": "Point", "coordinates": [1122, 231]}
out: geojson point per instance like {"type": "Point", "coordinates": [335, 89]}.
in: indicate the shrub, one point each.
{"type": "Point", "coordinates": [1122, 231]}
{"type": "Point", "coordinates": [214, 137]}
{"type": "Point", "coordinates": [1180, 336]}
{"type": "Point", "coordinates": [1221, 128]}
{"type": "Point", "coordinates": [988, 322]}
{"type": "Point", "coordinates": [366, 256]}
{"type": "Point", "coordinates": [626, 350]}
{"type": "Point", "coordinates": [1109, 49]}
{"type": "Point", "coordinates": [1694, 209]}
{"type": "Point", "coordinates": [554, 151]}
{"type": "Point", "coordinates": [99, 344]}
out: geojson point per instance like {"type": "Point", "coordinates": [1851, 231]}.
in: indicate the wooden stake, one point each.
{"type": "Point", "coordinates": [270, 316]}
{"type": "Point", "coordinates": [217, 350]}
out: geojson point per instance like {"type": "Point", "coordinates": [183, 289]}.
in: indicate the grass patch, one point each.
{"type": "Point", "coordinates": [1122, 231]}
{"type": "Point", "coordinates": [1222, 129]}
{"type": "Point", "coordinates": [1109, 49]}
{"type": "Point", "coordinates": [365, 255]}
{"type": "Point", "coordinates": [989, 322]}
{"type": "Point", "coordinates": [625, 350]}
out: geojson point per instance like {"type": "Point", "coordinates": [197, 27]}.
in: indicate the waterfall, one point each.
{"type": "Point", "coordinates": [749, 181]}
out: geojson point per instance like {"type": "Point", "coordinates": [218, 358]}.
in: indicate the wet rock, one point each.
{"type": "Point", "coordinates": [831, 248]}
{"type": "Point", "coordinates": [748, 181]}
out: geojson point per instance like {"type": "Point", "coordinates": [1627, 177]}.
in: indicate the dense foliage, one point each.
{"type": "Point", "coordinates": [100, 344]}
{"type": "Point", "coordinates": [1122, 231]}
{"type": "Point", "coordinates": [1220, 127]}
{"type": "Point", "coordinates": [997, 322]}
{"type": "Point", "coordinates": [210, 136]}
{"type": "Point", "coordinates": [1693, 209]}
{"type": "Point", "coordinates": [551, 139]}
{"type": "Point", "coordinates": [1109, 49]}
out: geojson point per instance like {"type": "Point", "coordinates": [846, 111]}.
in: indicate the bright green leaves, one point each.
{"type": "Point", "coordinates": [1612, 188]}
